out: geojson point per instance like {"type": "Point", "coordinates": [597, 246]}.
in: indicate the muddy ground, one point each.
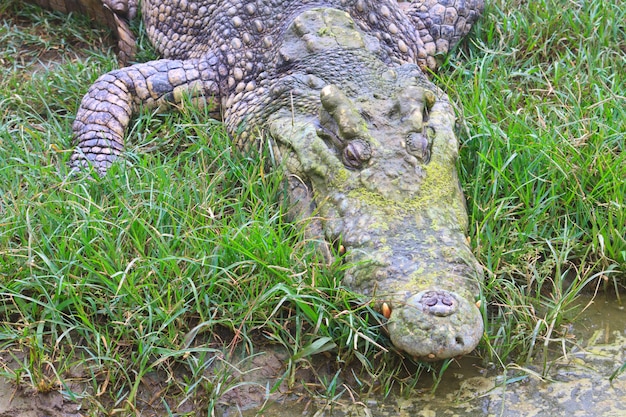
{"type": "Point", "coordinates": [577, 383]}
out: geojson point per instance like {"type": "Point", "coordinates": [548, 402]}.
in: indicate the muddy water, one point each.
{"type": "Point", "coordinates": [577, 384]}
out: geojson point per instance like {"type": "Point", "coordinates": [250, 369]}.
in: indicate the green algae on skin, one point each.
{"type": "Point", "coordinates": [436, 192]}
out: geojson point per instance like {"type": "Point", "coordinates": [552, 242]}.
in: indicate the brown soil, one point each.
{"type": "Point", "coordinates": [23, 402]}
{"type": "Point", "coordinates": [245, 387]}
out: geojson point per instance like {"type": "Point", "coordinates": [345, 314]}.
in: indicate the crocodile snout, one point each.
{"type": "Point", "coordinates": [435, 324]}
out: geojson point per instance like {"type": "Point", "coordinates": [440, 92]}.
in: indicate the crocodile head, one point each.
{"type": "Point", "coordinates": [377, 164]}
{"type": "Point", "coordinates": [369, 148]}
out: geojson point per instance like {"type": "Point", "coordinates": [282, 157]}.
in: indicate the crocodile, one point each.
{"type": "Point", "coordinates": [366, 140]}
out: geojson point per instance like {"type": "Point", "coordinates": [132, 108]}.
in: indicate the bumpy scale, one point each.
{"type": "Point", "coordinates": [366, 139]}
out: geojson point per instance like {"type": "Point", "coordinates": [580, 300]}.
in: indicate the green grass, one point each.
{"type": "Point", "coordinates": [543, 93]}
{"type": "Point", "coordinates": [182, 257]}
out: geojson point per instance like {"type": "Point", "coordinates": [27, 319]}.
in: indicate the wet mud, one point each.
{"type": "Point", "coordinates": [576, 383]}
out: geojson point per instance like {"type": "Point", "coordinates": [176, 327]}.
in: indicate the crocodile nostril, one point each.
{"type": "Point", "coordinates": [439, 303]}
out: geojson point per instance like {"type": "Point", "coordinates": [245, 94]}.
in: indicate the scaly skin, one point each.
{"type": "Point", "coordinates": [365, 138]}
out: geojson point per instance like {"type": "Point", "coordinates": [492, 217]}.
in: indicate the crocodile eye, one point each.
{"type": "Point", "coordinates": [356, 153]}
{"type": "Point", "coordinates": [418, 145]}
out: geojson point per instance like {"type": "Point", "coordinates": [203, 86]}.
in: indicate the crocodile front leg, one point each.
{"type": "Point", "coordinates": [108, 106]}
